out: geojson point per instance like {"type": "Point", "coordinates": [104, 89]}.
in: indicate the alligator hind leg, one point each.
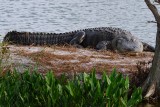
{"type": "Point", "coordinates": [103, 45]}
{"type": "Point", "coordinates": [78, 39]}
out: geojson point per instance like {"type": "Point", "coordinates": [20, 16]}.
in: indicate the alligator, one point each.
{"type": "Point", "coordinates": [108, 38]}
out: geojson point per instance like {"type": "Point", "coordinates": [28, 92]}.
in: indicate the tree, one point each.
{"type": "Point", "coordinates": [151, 86]}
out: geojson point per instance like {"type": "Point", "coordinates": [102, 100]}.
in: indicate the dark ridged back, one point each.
{"type": "Point", "coordinates": [107, 29]}
{"type": "Point", "coordinates": [27, 38]}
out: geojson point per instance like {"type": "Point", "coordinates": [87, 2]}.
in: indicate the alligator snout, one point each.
{"type": "Point", "coordinates": [130, 44]}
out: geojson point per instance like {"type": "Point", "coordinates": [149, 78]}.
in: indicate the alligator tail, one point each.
{"type": "Point", "coordinates": [147, 47]}
{"type": "Point", "coordinates": [27, 38]}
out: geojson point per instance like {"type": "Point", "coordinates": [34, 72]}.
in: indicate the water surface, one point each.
{"type": "Point", "coordinates": [67, 15]}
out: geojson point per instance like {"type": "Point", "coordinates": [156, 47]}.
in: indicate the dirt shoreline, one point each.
{"type": "Point", "coordinates": [68, 59]}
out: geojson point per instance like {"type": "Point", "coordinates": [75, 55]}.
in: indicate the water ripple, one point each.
{"type": "Point", "coordinates": [68, 15]}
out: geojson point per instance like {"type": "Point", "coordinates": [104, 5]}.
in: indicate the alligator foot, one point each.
{"type": "Point", "coordinates": [103, 45]}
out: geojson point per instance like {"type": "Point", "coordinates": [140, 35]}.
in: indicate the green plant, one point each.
{"type": "Point", "coordinates": [4, 54]}
{"type": "Point", "coordinates": [83, 90]}
{"type": "Point", "coordinates": [117, 91]}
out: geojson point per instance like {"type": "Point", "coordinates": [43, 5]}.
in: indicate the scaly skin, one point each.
{"type": "Point", "coordinates": [99, 38]}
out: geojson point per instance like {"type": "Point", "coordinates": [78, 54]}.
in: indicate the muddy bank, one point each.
{"type": "Point", "coordinates": [73, 60]}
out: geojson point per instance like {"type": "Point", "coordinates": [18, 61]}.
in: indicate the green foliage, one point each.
{"type": "Point", "coordinates": [117, 91]}
{"type": "Point", "coordinates": [4, 54]}
{"type": "Point", "coordinates": [83, 90]}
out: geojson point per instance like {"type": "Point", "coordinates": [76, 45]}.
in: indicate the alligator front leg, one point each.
{"type": "Point", "coordinates": [104, 45]}
{"type": "Point", "coordinates": [78, 39]}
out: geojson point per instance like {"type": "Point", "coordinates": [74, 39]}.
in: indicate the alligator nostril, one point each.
{"type": "Point", "coordinates": [134, 47]}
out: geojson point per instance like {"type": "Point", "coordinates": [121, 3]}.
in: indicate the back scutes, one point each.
{"type": "Point", "coordinates": [27, 38]}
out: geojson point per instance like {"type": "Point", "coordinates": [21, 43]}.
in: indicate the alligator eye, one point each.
{"type": "Point", "coordinates": [133, 40]}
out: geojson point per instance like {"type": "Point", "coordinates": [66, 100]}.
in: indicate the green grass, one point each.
{"type": "Point", "coordinates": [83, 90]}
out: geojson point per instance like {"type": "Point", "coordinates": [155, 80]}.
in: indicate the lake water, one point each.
{"type": "Point", "coordinates": [67, 15]}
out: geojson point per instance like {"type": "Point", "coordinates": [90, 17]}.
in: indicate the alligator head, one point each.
{"type": "Point", "coordinates": [124, 43]}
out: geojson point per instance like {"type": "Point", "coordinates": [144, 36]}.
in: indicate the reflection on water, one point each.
{"type": "Point", "coordinates": [68, 15]}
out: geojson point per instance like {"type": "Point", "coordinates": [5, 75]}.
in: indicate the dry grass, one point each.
{"type": "Point", "coordinates": [70, 59]}
{"type": "Point", "coordinates": [66, 47]}
{"type": "Point", "coordinates": [84, 59]}
{"type": "Point", "coordinates": [140, 76]}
